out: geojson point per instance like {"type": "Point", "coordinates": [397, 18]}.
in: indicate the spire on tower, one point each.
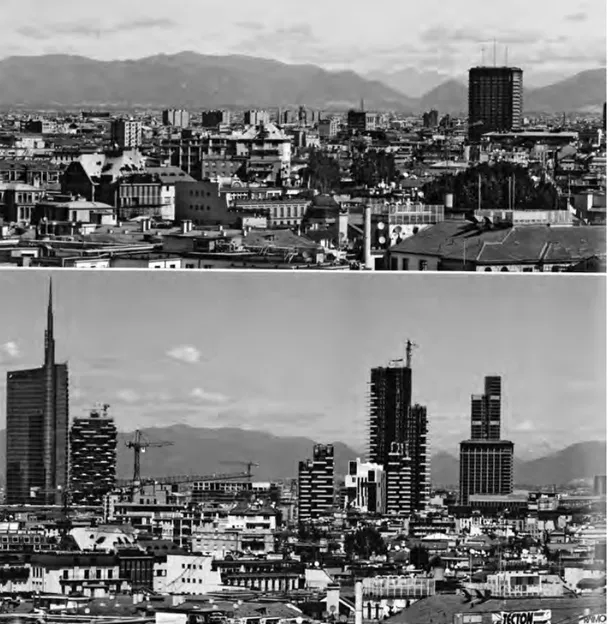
{"type": "Point", "coordinates": [49, 343]}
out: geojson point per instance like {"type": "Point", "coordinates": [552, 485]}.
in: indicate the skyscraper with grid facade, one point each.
{"type": "Point", "coordinates": [486, 461]}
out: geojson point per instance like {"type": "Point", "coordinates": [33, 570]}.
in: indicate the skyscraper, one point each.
{"type": "Point", "coordinates": [495, 100]}
{"type": "Point", "coordinates": [92, 457]}
{"type": "Point", "coordinates": [389, 404]}
{"type": "Point", "coordinates": [417, 445]}
{"type": "Point", "coordinates": [393, 420]}
{"type": "Point", "coordinates": [486, 461]}
{"type": "Point", "coordinates": [398, 481]}
{"type": "Point", "coordinates": [316, 484]}
{"type": "Point", "coordinates": [37, 428]}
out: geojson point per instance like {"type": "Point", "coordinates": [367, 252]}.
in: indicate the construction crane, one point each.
{"type": "Point", "coordinates": [139, 444]}
{"type": "Point", "coordinates": [410, 347]}
{"type": "Point", "coordinates": [247, 464]}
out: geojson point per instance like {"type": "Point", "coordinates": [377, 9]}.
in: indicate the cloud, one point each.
{"type": "Point", "coordinates": [185, 353]}
{"type": "Point", "coordinates": [86, 29]}
{"type": "Point", "coordinates": [526, 425]}
{"type": "Point", "coordinates": [202, 396]}
{"type": "Point", "coordinates": [442, 35]}
{"type": "Point", "coordinates": [129, 396]}
{"type": "Point", "coordinates": [253, 26]}
{"type": "Point", "coordinates": [9, 351]}
{"type": "Point", "coordinates": [576, 17]}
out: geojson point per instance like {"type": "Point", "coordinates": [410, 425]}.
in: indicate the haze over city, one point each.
{"type": "Point", "coordinates": [549, 41]}
{"type": "Point", "coordinates": [291, 354]}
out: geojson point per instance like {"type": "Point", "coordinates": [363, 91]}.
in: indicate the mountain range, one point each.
{"type": "Point", "coordinates": [197, 81]}
{"type": "Point", "coordinates": [203, 451]}
{"type": "Point", "coordinates": [582, 460]}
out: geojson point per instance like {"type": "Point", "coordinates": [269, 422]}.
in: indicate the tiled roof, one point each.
{"type": "Point", "coordinates": [277, 238]}
{"type": "Point", "coordinates": [441, 608]}
{"type": "Point", "coordinates": [521, 244]}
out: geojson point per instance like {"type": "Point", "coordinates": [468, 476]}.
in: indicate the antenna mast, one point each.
{"type": "Point", "coordinates": [495, 47]}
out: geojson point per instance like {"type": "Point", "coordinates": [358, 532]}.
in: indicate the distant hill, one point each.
{"type": "Point", "coordinates": [449, 97]}
{"type": "Point", "coordinates": [205, 451]}
{"type": "Point", "coordinates": [583, 460]}
{"type": "Point", "coordinates": [186, 80]}
{"type": "Point", "coordinates": [410, 81]}
{"type": "Point", "coordinates": [581, 92]}
{"type": "Point", "coordinates": [197, 450]}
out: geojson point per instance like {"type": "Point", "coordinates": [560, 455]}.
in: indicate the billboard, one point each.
{"type": "Point", "coordinates": [522, 617]}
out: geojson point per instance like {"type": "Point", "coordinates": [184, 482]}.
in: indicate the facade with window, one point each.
{"type": "Point", "coordinates": [18, 200]}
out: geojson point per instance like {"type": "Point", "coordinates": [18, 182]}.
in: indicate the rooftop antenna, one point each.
{"type": "Point", "coordinates": [506, 56]}
{"type": "Point", "coordinates": [482, 56]}
{"type": "Point", "coordinates": [362, 104]}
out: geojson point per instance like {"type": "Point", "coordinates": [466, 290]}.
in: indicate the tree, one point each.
{"type": "Point", "coordinates": [373, 167]}
{"type": "Point", "coordinates": [323, 172]}
{"type": "Point", "coordinates": [365, 543]}
{"type": "Point", "coordinates": [495, 183]}
{"type": "Point", "coordinates": [418, 557]}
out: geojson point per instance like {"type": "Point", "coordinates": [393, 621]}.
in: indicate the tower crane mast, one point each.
{"type": "Point", "coordinates": [139, 444]}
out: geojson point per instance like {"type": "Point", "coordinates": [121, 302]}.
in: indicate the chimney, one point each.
{"type": "Point", "coordinates": [358, 609]}
{"type": "Point", "coordinates": [177, 600]}
{"type": "Point", "coordinates": [368, 262]}
{"type": "Point", "coordinates": [184, 227]}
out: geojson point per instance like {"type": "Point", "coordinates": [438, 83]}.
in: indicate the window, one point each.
{"type": "Point", "coordinates": [423, 265]}
{"type": "Point", "coordinates": [405, 264]}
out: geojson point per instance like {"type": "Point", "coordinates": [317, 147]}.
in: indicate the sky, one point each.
{"type": "Point", "coordinates": [291, 353]}
{"type": "Point", "coordinates": [544, 36]}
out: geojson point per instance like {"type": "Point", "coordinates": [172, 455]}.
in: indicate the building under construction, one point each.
{"type": "Point", "coordinates": [396, 426]}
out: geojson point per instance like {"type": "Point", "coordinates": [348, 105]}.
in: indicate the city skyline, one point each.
{"type": "Point", "coordinates": [296, 359]}
{"type": "Point", "coordinates": [568, 39]}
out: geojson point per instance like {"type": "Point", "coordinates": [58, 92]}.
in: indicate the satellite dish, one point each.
{"type": "Point", "coordinates": [382, 240]}
{"type": "Point", "coordinates": [381, 226]}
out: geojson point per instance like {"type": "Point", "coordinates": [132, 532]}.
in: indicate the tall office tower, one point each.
{"type": "Point", "coordinates": [176, 118]}
{"type": "Point", "coordinates": [398, 481]}
{"type": "Point", "coordinates": [486, 461]}
{"type": "Point", "coordinates": [485, 411]}
{"type": "Point", "coordinates": [93, 443]}
{"type": "Point", "coordinates": [126, 133]}
{"type": "Point", "coordinates": [316, 484]}
{"type": "Point", "coordinates": [37, 428]}
{"type": "Point", "coordinates": [495, 100]}
{"type": "Point", "coordinates": [417, 445]}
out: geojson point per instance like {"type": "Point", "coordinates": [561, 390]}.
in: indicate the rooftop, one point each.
{"type": "Point", "coordinates": [465, 241]}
